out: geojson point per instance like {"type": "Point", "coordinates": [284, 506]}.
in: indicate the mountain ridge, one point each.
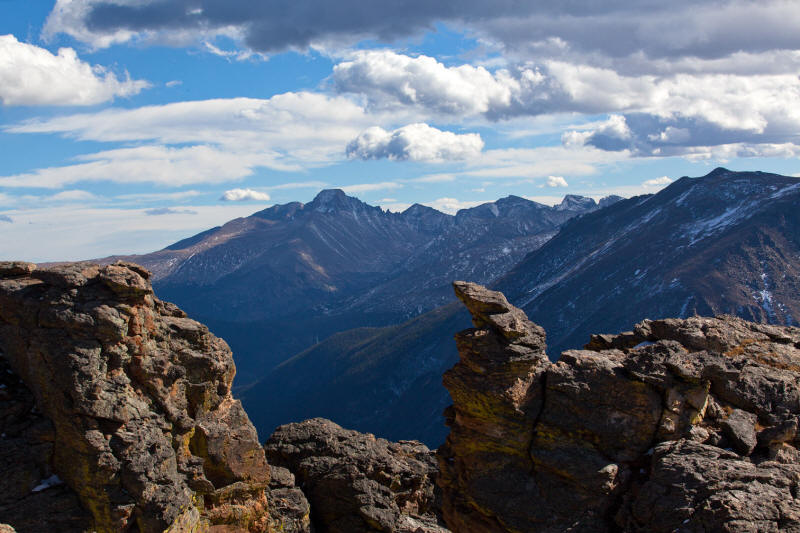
{"type": "Point", "coordinates": [773, 236]}
{"type": "Point", "coordinates": [301, 272]}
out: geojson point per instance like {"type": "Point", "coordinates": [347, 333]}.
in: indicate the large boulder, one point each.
{"type": "Point", "coordinates": [356, 482]}
{"type": "Point", "coordinates": [140, 419]}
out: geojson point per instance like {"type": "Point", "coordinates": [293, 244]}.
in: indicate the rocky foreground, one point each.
{"type": "Point", "coordinates": [116, 415]}
{"type": "Point", "coordinates": [681, 425]}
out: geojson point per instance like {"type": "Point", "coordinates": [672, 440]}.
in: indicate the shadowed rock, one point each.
{"type": "Point", "coordinates": [144, 427]}
{"type": "Point", "coordinates": [356, 482]}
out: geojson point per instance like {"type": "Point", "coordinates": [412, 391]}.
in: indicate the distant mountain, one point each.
{"type": "Point", "coordinates": [280, 280]}
{"type": "Point", "coordinates": [728, 242]}
{"type": "Point", "coordinates": [725, 243]}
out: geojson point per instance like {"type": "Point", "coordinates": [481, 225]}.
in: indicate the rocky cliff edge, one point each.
{"type": "Point", "coordinates": [137, 420]}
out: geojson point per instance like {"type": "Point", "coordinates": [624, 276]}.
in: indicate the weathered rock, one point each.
{"type": "Point", "coordinates": [144, 427]}
{"type": "Point", "coordinates": [497, 395]}
{"type": "Point", "coordinates": [288, 506]}
{"type": "Point", "coordinates": [356, 482]}
{"type": "Point", "coordinates": [32, 497]}
{"type": "Point", "coordinates": [16, 268]}
{"type": "Point", "coordinates": [740, 428]}
{"type": "Point", "coordinates": [678, 425]}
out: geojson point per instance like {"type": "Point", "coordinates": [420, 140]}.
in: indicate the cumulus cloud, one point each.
{"type": "Point", "coordinates": [244, 195]}
{"type": "Point", "coordinates": [657, 182]}
{"type": "Point", "coordinates": [556, 181]}
{"type": "Point", "coordinates": [6, 218]}
{"type": "Point", "coordinates": [30, 75]}
{"type": "Point", "coordinates": [414, 142]}
{"type": "Point", "coordinates": [762, 105]}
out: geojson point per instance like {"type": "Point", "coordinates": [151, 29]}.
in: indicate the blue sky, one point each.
{"type": "Point", "coordinates": [125, 126]}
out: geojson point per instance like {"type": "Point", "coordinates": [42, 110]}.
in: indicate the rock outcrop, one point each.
{"type": "Point", "coordinates": [32, 496]}
{"type": "Point", "coordinates": [680, 425]}
{"type": "Point", "coordinates": [138, 417]}
{"type": "Point", "coordinates": [356, 482]}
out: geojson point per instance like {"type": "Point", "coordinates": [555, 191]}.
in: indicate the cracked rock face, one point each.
{"type": "Point", "coordinates": [356, 482]}
{"type": "Point", "coordinates": [143, 427]}
{"type": "Point", "coordinates": [679, 425]}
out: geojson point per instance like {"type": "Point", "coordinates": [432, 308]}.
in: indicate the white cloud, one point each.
{"type": "Point", "coordinates": [389, 79]}
{"type": "Point", "coordinates": [158, 196]}
{"type": "Point", "coordinates": [546, 200]}
{"type": "Point", "coordinates": [368, 187]}
{"type": "Point", "coordinates": [173, 83]}
{"type": "Point", "coordinates": [394, 207]}
{"type": "Point", "coordinates": [65, 197]}
{"type": "Point", "coordinates": [229, 138]}
{"type": "Point", "coordinates": [297, 185]}
{"type": "Point", "coordinates": [434, 178]}
{"type": "Point", "coordinates": [556, 181]}
{"type": "Point", "coordinates": [6, 218]}
{"type": "Point", "coordinates": [451, 205]}
{"type": "Point", "coordinates": [69, 233]}
{"type": "Point", "coordinates": [657, 182]}
{"type": "Point", "coordinates": [541, 162]}
{"type": "Point", "coordinates": [30, 75]}
{"type": "Point", "coordinates": [244, 195]}
{"type": "Point", "coordinates": [148, 164]}
{"type": "Point", "coordinates": [743, 106]}
{"type": "Point", "coordinates": [73, 196]}
{"type": "Point", "coordinates": [414, 142]}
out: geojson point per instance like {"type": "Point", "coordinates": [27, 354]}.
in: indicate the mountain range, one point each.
{"type": "Point", "coordinates": [339, 309]}
{"type": "Point", "coordinates": [279, 281]}
{"type": "Point", "coordinates": [725, 243]}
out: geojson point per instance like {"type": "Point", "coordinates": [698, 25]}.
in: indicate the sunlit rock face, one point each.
{"type": "Point", "coordinates": [137, 396]}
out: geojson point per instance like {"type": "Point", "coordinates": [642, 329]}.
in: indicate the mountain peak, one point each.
{"type": "Point", "coordinates": [329, 195]}
{"type": "Point", "coordinates": [335, 200]}
{"type": "Point", "coordinates": [573, 202]}
{"type": "Point", "coordinates": [718, 172]}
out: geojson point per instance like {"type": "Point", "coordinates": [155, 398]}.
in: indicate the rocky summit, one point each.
{"type": "Point", "coordinates": [679, 425]}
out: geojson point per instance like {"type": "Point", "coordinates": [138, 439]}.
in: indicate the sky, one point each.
{"type": "Point", "coordinates": [127, 125]}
